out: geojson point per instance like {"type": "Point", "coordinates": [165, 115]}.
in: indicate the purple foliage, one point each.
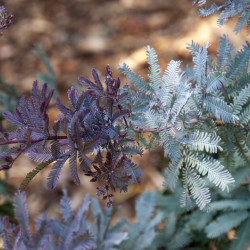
{"type": "Point", "coordinates": [5, 18]}
{"type": "Point", "coordinates": [72, 233]}
{"type": "Point", "coordinates": [93, 121]}
{"type": "Point", "coordinates": [116, 173]}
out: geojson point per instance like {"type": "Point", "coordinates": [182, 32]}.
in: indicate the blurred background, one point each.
{"type": "Point", "coordinates": [79, 35]}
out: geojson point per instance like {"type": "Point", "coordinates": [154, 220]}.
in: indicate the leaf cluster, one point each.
{"type": "Point", "coordinates": [228, 9]}
{"type": "Point", "coordinates": [5, 18]}
{"type": "Point", "coordinates": [183, 112]}
{"type": "Point", "coordinates": [93, 121]}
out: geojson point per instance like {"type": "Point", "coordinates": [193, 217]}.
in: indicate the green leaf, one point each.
{"type": "Point", "coordinates": [33, 173]}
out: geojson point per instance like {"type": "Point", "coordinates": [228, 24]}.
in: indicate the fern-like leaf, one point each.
{"type": "Point", "coordinates": [241, 99]}
{"type": "Point", "coordinates": [66, 207]}
{"type": "Point", "coordinates": [197, 188]}
{"type": "Point", "coordinates": [225, 52]}
{"type": "Point", "coordinates": [55, 172]}
{"type": "Point", "coordinates": [245, 115]}
{"type": "Point", "coordinates": [171, 175]}
{"type": "Point", "coordinates": [134, 171]}
{"type": "Point", "coordinates": [151, 121]}
{"type": "Point", "coordinates": [242, 22]}
{"type": "Point", "coordinates": [230, 205]}
{"type": "Point", "coordinates": [21, 213]}
{"type": "Point", "coordinates": [154, 69]}
{"type": "Point", "coordinates": [205, 141]}
{"type": "Point", "coordinates": [171, 80]}
{"type": "Point", "coordinates": [220, 109]}
{"type": "Point", "coordinates": [224, 223]}
{"type": "Point", "coordinates": [73, 167]}
{"type": "Point", "coordinates": [38, 156]}
{"type": "Point", "coordinates": [137, 81]}
{"type": "Point", "coordinates": [242, 240]}
{"type": "Point", "coordinates": [33, 173]}
{"type": "Point", "coordinates": [172, 148]}
{"type": "Point", "coordinates": [215, 172]}
{"type": "Point", "coordinates": [178, 102]}
{"type": "Point", "coordinates": [179, 240]}
{"type": "Point", "coordinates": [200, 58]}
{"type": "Point", "coordinates": [240, 64]}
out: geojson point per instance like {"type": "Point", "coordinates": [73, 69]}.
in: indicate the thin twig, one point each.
{"type": "Point", "coordinates": [145, 130]}
{"type": "Point", "coordinates": [34, 141]}
{"type": "Point", "coordinates": [225, 92]}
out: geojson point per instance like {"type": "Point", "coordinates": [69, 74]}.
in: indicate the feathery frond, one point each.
{"type": "Point", "coordinates": [73, 167]}
{"type": "Point", "coordinates": [66, 207]}
{"type": "Point", "coordinates": [154, 69]}
{"type": "Point", "coordinates": [225, 52]}
{"type": "Point", "coordinates": [137, 81]}
{"type": "Point", "coordinates": [241, 100]}
{"type": "Point", "coordinates": [225, 222]}
{"type": "Point", "coordinates": [33, 173]}
{"type": "Point", "coordinates": [197, 188]}
{"type": "Point", "coordinates": [21, 213]}
{"type": "Point", "coordinates": [171, 175]}
{"type": "Point", "coordinates": [220, 109]}
{"type": "Point", "coordinates": [242, 240]}
{"type": "Point", "coordinates": [204, 141]}
{"type": "Point", "coordinates": [229, 9]}
{"type": "Point", "coordinates": [55, 172]}
{"type": "Point", "coordinates": [214, 82]}
{"type": "Point", "coordinates": [215, 172]}
{"type": "Point", "coordinates": [230, 205]}
{"type": "Point", "coordinates": [200, 59]}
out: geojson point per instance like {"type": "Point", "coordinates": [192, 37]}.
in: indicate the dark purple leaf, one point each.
{"type": "Point", "coordinates": [119, 113]}
{"type": "Point", "coordinates": [11, 118]}
{"type": "Point", "coordinates": [93, 179]}
{"type": "Point", "coordinates": [73, 167]}
{"type": "Point", "coordinates": [5, 18]}
{"type": "Point", "coordinates": [8, 152]}
{"type": "Point", "coordinates": [8, 159]}
{"type": "Point", "coordinates": [98, 158]}
{"type": "Point", "coordinates": [117, 83]}
{"type": "Point", "coordinates": [109, 71]}
{"type": "Point", "coordinates": [97, 79]}
{"type": "Point", "coordinates": [5, 167]}
{"type": "Point", "coordinates": [55, 172]}
{"type": "Point", "coordinates": [44, 91]}
{"type": "Point", "coordinates": [90, 85]}
{"type": "Point", "coordinates": [50, 95]}
{"type": "Point", "coordinates": [123, 97]}
{"type": "Point", "coordinates": [66, 111]}
{"type": "Point", "coordinates": [84, 161]}
{"type": "Point", "coordinates": [73, 97]}
{"type": "Point", "coordinates": [91, 145]}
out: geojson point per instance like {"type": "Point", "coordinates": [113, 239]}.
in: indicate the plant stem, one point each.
{"type": "Point", "coordinates": [145, 130]}
{"type": "Point", "coordinates": [52, 137]}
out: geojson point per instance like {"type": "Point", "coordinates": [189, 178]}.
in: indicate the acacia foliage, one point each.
{"type": "Point", "coordinates": [89, 123]}
{"type": "Point", "coordinates": [199, 114]}
{"type": "Point", "coordinates": [184, 109]}
{"type": "Point", "coordinates": [181, 109]}
{"type": "Point", "coordinates": [160, 223]}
